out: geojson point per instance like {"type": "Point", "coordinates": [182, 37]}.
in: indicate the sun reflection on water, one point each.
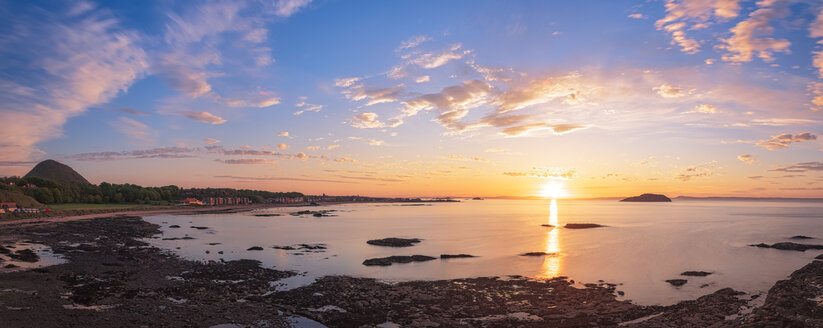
{"type": "Point", "coordinates": [552, 263]}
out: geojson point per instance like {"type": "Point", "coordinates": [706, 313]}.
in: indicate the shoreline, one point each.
{"type": "Point", "coordinates": [150, 212]}
{"type": "Point", "coordinates": [114, 277]}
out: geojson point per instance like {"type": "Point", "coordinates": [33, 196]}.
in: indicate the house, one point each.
{"type": "Point", "coordinates": [7, 206]}
{"type": "Point", "coordinates": [190, 201]}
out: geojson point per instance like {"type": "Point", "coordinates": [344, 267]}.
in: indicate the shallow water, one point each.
{"type": "Point", "coordinates": [47, 256]}
{"type": "Point", "coordinates": [643, 245]}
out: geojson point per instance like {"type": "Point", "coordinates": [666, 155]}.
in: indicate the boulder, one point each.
{"type": "Point", "coordinates": [789, 246]}
{"type": "Point", "coordinates": [394, 242]}
{"type": "Point", "coordinates": [677, 282]}
{"type": "Point", "coordinates": [696, 273]}
{"type": "Point", "coordinates": [582, 225]}
{"type": "Point", "coordinates": [386, 261]}
{"type": "Point", "coordinates": [455, 256]}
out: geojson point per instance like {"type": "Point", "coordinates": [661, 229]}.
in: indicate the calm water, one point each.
{"type": "Point", "coordinates": [643, 245]}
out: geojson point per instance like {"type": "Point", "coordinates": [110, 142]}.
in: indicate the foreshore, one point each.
{"type": "Point", "coordinates": [146, 212]}
{"type": "Point", "coordinates": [112, 277]}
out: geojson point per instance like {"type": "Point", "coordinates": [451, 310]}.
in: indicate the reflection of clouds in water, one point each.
{"type": "Point", "coordinates": [552, 263]}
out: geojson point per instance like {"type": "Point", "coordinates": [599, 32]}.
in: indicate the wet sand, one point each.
{"type": "Point", "coordinates": [113, 278]}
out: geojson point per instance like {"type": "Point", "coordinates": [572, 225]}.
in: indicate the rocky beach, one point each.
{"type": "Point", "coordinates": [112, 277]}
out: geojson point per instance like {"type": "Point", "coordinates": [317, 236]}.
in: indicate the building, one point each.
{"type": "Point", "coordinates": [190, 201]}
{"type": "Point", "coordinates": [214, 201]}
{"type": "Point", "coordinates": [7, 206]}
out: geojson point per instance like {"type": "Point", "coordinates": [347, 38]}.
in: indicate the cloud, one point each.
{"type": "Point", "coordinates": [422, 79]}
{"type": "Point", "coordinates": [784, 140]}
{"type": "Point", "coordinates": [705, 109]}
{"type": "Point", "coordinates": [330, 147]}
{"type": "Point", "coordinates": [373, 142]}
{"type": "Point", "coordinates": [306, 107]}
{"type": "Point", "coordinates": [494, 150]}
{"type": "Point", "coordinates": [637, 16]}
{"type": "Point", "coordinates": [697, 171]}
{"type": "Point", "coordinates": [538, 91]}
{"type": "Point", "coordinates": [65, 80]}
{"type": "Point", "coordinates": [751, 36]}
{"type": "Point", "coordinates": [397, 72]}
{"type": "Point", "coordinates": [210, 141]}
{"type": "Point", "coordinates": [432, 60]}
{"type": "Point", "coordinates": [162, 152]}
{"type": "Point", "coordinates": [413, 42]}
{"type": "Point", "coordinates": [465, 158]}
{"type": "Point", "coordinates": [204, 117]}
{"type": "Point", "coordinates": [374, 95]}
{"type": "Point", "coordinates": [286, 8]}
{"type": "Point", "coordinates": [261, 103]}
{"type": "Point", "coordinates": [132, 111]}
{"type": "Point", "coordinates": [781, 121]}
{"type": "Point", "coordinates": [557, 129]}
{"type": "Point", "coordinates": [668, 90]}
{"type": "Point", "coordinates": [282, 146]}
{"type": "Point", "coordinates": [800, 167]}
{"type": "Point", "coordinates": [346, 82]}
{"type": "Point", "coordinates": [283, 134]}
{"type": "Point", "coordinates": [546, 173]}
{"type": "Point", "coordinates": [248, 179]}
{"type": "Point", "coordinates": [466, 95]}
{"type": "Point", "coordinates": [253, 161]}
{"type": "Point", "coordinates": [135, 130]}
{"type": "Point", "coordinates": [746, 158]}
{"type": "Point", "coordinates": [698, 13]}
{"type": "Point", "coordinates": [366, 120]}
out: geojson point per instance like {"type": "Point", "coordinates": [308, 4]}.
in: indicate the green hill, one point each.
{"type": "Point", "coordinates": [20, 199]}
{"type": "Point", "coordinates": [57, 172]}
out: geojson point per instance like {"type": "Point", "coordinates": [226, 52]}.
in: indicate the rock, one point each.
{"type": "Point", "coordinates": [786, 246]}
{"type": "Point", "coordinates": [255, 248]}
{"type": "Point", "coordinates": [199, 228]}
{"type": "Point", "coordinates": [696, 273]}
{"type": "Point", "coordinates": [287, 248]}
{"type": "Point", "coordinates": [268, 214]}
{"type": "Point", "coordinates": [174, 226]}
{"type": "Point", "coordinates": [319, 213]}
{"type": "Point", "coordinates": [677, 282]}
{"type": "Point", "coordinates": [621, 293]}
{"type": "Point", "coordinates": [801, 237]}
{"type": "Point", "coordinates": [25, 255]}
{"type": "Point", "coordinates": [819, 257]}
{"type": "Point", "coordinates": [454, 256]}
{"type": "Point", "coordinates": [547, 225]}
{"type": "Point", "coordinates": [648, 198]}
{"type": "Point", "coordinates": [4, 250]}
{"type": "Point", "coordinates": [11, 266]}
{"type": "Point", "coordinates": [220, 252]}
{"type": "Point", "coordinates": [212, 244]}
{"type": "Point", "coordinates": [386, 261]}
{"type": "Point", "coordinates": [582, 225]}
{"type": "Point", "coordinates": [537, 254]}
{"type": "Point", "coordinates": [394, 242]}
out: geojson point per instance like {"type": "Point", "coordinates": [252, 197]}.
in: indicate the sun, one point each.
{"type": "Point", "coordinates": [553, 190]}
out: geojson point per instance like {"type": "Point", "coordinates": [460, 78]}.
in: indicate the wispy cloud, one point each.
{"type": "Point", "coordinates": [136, 131]}
{"type": "Point", "coordinates": [204, 117]}
{"type": "Point", "coordinates": [800, 167]}
{"type": "Point", "coordinates": [746, 158]}
{"type": "Point", "coordinates": [784, 140]}
{"type": "Point", "coordinates": [546, 173]}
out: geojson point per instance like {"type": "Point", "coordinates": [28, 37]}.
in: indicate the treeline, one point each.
{"type": "Point", "coordinates": [256, 196]}
{"type": "Point", "coordinates": [50, 192]}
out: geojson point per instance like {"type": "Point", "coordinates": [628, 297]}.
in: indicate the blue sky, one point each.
{"type": "Point", "coordinates": [704, 97]}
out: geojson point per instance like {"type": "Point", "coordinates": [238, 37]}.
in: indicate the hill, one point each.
{"type": "Point", "coordinates": [57, 172]}
{"type": "Point", "coordinates": [16, 197]}
{"type": "Point", "coordinates": [648, 198]}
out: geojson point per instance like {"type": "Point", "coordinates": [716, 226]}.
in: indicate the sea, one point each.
{"type": "Point", "coordinates": [639, 247]}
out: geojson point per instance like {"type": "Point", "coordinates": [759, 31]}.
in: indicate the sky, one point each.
{"type": "Point", "coordinates": [420, 98]}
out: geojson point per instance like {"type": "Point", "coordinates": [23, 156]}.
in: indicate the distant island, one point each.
{"type": "Point", "coordinates": [647, 198]}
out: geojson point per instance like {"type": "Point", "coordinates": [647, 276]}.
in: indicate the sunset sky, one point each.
{"type": "Point", "coordinates": [420, 98]}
